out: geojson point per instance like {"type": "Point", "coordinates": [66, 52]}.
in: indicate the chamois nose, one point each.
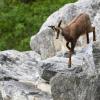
{"type": "Point", "coordinates": [51, 27]}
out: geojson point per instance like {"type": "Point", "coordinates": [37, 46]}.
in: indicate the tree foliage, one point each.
{"type": "Point", "coordinates": [19, 21]}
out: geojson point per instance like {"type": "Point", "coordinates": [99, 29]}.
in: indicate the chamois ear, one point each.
{"type": "Point", "coordinates": [52, 27]}
{"type": "Point", "coordinates": [59, 23]}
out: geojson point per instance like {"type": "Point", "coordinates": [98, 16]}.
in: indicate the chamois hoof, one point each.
{"type": "Point", "coordinates": [73, 52]}
{"type": "Point", "coordinates": [69, 66]}
{"type": "Point", "coordinates": [87, 42]}
{"type": "Point", "coordinates": [56, 38]}
{"type": "Point", "coordinates": [94, 39]}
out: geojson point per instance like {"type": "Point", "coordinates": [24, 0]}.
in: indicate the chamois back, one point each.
{"type": "Point", "coordinates": [79, 25]}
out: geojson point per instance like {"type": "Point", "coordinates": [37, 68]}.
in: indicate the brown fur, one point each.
{"type": "Point", "coordinates": [78, 26]}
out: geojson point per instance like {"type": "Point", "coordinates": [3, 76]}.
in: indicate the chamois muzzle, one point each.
{"type": "Point", "coordinates": [52, 27]}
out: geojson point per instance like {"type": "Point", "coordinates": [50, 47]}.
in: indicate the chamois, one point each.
{"type": "Point", "coordinates": [80, 25]}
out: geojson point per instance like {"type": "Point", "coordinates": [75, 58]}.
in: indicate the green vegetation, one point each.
{"type": "Point", "coordinates": [19, 21]}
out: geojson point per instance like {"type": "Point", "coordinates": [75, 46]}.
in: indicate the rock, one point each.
{"type": "Point", "coordinates": [41, 41]}
{"type": "Point", "coordinates": [21, 66]}
{"type": "Point", "coordinates": [48, 46]}
{"type": "Point", "coordinates": [20, 76]}
{"type": "Point", "coordinates": [1, 96]}
{"type": "Point", "coordinates": [22, 91]}
{"type": "Point", "coordinates": [48, 74]}
{"type": "Point", "coordinates": [97, 24]}
{"type": "Point", "coordinates": [68, 85]}
{"type": "Point", "coordinates": [44, 87]}
{"type": "Point", "coordinates": [20, 73]}
{"type": "Point", "coordinates": [81, 62]}
{"type": "Point", "coordinates": [96, 54]}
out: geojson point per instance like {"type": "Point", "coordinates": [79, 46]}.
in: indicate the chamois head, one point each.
{"type": "Point", "coordinates": [56, 29]}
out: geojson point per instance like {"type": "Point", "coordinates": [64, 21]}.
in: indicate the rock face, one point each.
{"type": "Point", "coordinates": [78, 86]}
{"type": "Point", "coordinates": [44, 40]}
{"type": "Point", "coordinates": [96, 50]}
{"type": "Point", "coordinates": [20, 78]}
{"type": "Point", "coordinates": [12, 90]}
{"type": "Point", "coordinates": [47, 44]}
{"type": "Point", "coordinates": [10, 61]}
{"type": "Point", "coordinates": [22, 74]}
{"type": "Point", "coordinates": [1, 96]}
{"type": "Point", "coordinates": [81, 62]}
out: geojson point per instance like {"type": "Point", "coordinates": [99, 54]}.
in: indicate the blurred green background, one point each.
{"type": "Point", "coordinates": [20, 19]}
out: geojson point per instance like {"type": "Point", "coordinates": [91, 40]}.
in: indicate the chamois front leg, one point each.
{"type": "Point", "coordinates": [87, 36]}
{"type": "Point", "coordinates": [57, 36]}
{"type": "Point", "coordinates": [58, 31]}
{"type": "Point", "coordinates": [94, 36]}
{"type": "Point", "coordinates": [69, 63]}
{"type": "Point", "coordinates": [70, 53]}
{"type": "Point", "coordinates": [67, 45]}
{"type": "Point", "coordinates": [73, 46]}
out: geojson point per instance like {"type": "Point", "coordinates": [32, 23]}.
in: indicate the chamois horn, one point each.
{"type": "Point", "coordinates": [59, 23]}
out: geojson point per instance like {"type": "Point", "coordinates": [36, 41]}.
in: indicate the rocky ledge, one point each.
{"type": "Point", "coordinates": [78, 86]}
{"type": "Point", "coordinates": [24, 76]}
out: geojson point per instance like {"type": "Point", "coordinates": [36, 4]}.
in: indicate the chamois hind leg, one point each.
{"type": "Point", "coordinates": [87, 36]}
{"type": "Point", "coordinates": [94, 35]}
{"type": "Point", "coordinates": [67, 45]}
{"type": "Point", "coordinates": [73, 46]}
{"type": "Point", "coordinates": [70, 53]}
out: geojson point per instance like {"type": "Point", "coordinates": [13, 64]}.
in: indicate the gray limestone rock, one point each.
{"type": "Point", "coordinates": [79, 86]}
{"type": "Point", "coordinates": [20, 78]}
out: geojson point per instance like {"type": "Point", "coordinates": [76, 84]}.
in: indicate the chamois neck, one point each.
{"type": "Point", "coordinates": [65, 31]}
{"type": "Point", "coordinates": [66, 34]}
